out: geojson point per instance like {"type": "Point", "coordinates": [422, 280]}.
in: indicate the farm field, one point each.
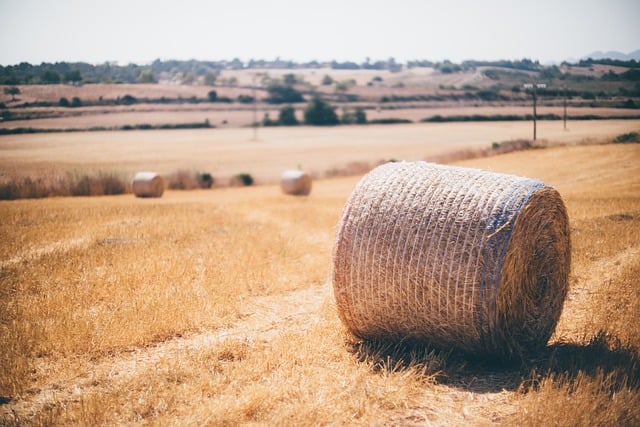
{"type": "Point", "coordinates": [215, 307]}
{"type": "Point", "coordinates": [243, 117]}
{"type": "Point", "coordinates": [321, 151]}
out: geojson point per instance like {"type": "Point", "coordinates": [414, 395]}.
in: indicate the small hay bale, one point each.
{"type": "Point", "coordinates": [454, 257]}
{"type": "Point", "coordinates": [296, 183]}
{"type": "Point", "coordinates": [148, 184]}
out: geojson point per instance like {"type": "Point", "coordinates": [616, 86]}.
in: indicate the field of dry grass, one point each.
{"type": "Point", "coordinates": [409, 94]}
{"type": "Point", "coordinates": [320, 151]}
{"type": "Point", "coordinates": [243, 116]}
{"type": "Point", "coordinates": [215, 307]}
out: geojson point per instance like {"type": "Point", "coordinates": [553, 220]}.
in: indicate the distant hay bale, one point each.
{"type": "Point", "coordinates": [455, 257]}
{"type": "Point", "coordinates": [148, 184]}
{"type": "Point", "coordinates": [296, 182]}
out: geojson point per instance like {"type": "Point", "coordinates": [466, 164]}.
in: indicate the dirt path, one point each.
{"type": "Point", "coordinates": [262, 319]}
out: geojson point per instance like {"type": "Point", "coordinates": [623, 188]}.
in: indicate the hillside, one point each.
{"type": "Point", "coordinates": [50, 96]}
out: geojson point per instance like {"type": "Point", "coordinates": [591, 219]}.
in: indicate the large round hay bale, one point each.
{"type": "Point", "coordinates": [454, 257]}
{"type": "Point", "coordinates": [148, 184]}
{"type": "Point", "coordinates": [295, 182]}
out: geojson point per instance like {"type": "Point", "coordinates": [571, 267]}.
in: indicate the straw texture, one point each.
{"type": "Point", "coordinates": [296, 183]}
{"type": "Point", "coordinates": [452, 256]}
{"type": "Point", "coordinates": [148, 184]}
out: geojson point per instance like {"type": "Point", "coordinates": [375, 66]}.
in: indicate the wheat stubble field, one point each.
{"type": "Point", "coordinates": [215, 307]}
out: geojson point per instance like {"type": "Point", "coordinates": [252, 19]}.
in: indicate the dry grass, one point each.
{"type": "Point", "coordinates": [226, 152]}
{"type": "Point", "coordinates": [214, 307]}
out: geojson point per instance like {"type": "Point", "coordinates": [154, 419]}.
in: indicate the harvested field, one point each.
{"type": "Point", "coordinates": [215, 307]}
{"type": "Point", "coordinates": [319, 151]}
{"type": "Point", "coordinates": [238, 116]}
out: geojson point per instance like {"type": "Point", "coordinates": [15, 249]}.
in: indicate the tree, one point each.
{"type": "Point", "coordinates": [210, 79]}
{"type": "Point", "coordinates": [266, 121]}
{"type": "Point", "coordinates": [354, 117]}
{"type": "Point", "coordinates": [287, 116]}
{"type": "Point", "coordinates": [73, 76]}
{"type": "Point", "coordinates": [320, 113]}
{"type": "Point", "coordinates": [50, 77]}
{"type": "Point", "coordinates": [289, 79]}
{"type": "Point", "coordinates": [280, 93]}
{"type": "Point", "coordinates": [213, 96]}
{"type": "Point", "coordinates": [13, 91]}
{"type": "Point", "coordinates": [146, 76]}
{"type": "Point", "coordinates": [361, 116]}
{"type": "Point", "coordinates": [343, 87]}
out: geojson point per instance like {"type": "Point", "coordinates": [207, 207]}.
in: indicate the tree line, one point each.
{"type": "Point", "coordinates": [110, 72]}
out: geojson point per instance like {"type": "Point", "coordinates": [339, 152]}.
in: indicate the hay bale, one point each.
{"type": "Point", "coordinates": [148, 184]}
{"type": "Point", "coordinates": [454, 257]}
{"type": "Point", "coordinates": [296, 182]}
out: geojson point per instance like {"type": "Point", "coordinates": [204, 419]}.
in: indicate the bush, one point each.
{"type": "Point", "coordinates": [267, 121]}
{"type": "Point", "coordinates": [245, 99]}
{"type": "Point", "coordinates": [101, 185]}
{"type": "Point", "coordinates": [182, 180]}
{"type": "Point", "coordinates": [64, 102]}
{"type": "Point", "coordinates": [389, 121]}
{"type": "Point", "coordinates": [128, 100]}
{"type": "Point", "coordinates": [287, 116]}
{"type": "Point", "coordinates": [28, 188]}
{"type": "Point", "coordinates": [76, 102]}
{"type": "Point", "coordinates": [280, 93]}
{"type": "Point", "coordinates": [241, 179]}
{"type": "Point", "coordinates": [74, 184]}
{"type": "Point", "coordinates": [327, 80]}
{"type": "Point", "coordinates": [354, 117]}
{"type": "Point", "coordinates": [205, 179]}
{"type": "Point", "coordinates": [627, 137]}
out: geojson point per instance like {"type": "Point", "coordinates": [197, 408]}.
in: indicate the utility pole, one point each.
{"type": "Point", "coordinates": [533, 87]}
{"type": "Point", "coordinates": [255, 108]}
{"type": "Point", "coordinates": [565, 108]}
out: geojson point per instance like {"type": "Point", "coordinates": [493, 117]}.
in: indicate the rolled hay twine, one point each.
{"type": "Point", "coordinates": [295, 182]}
{"type": "Point", "coordinates": [455, 257]}
{"type": "Point", "coordinates": [148, 184]}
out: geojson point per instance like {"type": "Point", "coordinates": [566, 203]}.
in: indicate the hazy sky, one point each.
{"type": "Point", "coordinates": [140, 31]}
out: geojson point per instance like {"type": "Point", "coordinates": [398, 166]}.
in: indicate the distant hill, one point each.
{"type": "Point", "coordinates": [612, 54]}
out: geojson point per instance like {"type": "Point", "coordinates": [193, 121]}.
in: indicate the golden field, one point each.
{"type": "Point", "coordinates": [215, 307]}
{"type": "Point", "coordinates": [321, 151]}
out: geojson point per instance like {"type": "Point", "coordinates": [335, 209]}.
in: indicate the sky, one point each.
{"type": "Point", "coordinates": [140, 31]}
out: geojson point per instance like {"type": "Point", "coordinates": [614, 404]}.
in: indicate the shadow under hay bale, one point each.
{"type": "Point", "coordinates": [454, 257]}
{"type": "Point", "coordinates": [148, 184]}
{"type": "Point", "coordinates": [296, 183]}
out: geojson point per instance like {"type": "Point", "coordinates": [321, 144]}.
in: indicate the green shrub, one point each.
{"type": "Point", "coordinates": [287, 116]}
{"type": "Point", "coordinates": [320, 113]}
{"type": "Point", "coordinates": [128, 100]}
{"type": "Point", "coordinates": [242, 179]}
{"type": "Point", "coordinates": [627, 137]}
{"type": "Point", "coordinates": [388, 121]}
{"type": "Point", "coordinates": [245, 99]}
{"type": "Point", "coordinates": [205, 179]}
